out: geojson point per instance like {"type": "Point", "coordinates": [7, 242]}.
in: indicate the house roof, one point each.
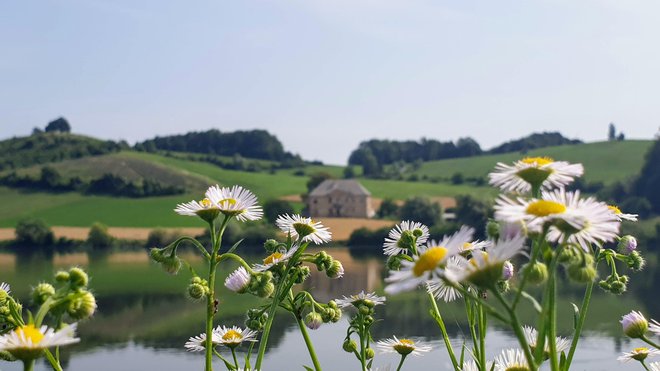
{"type": "Point", "coordinates": [344, 185]}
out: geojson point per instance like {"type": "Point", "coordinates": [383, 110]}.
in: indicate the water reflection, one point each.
{"type": "Point", "coordinates": [144, 317]}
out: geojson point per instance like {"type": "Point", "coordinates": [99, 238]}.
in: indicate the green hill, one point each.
{"type": "Point", "coordinates": [605, 162]}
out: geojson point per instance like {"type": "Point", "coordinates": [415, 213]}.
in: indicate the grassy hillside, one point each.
{"type": "Point", "coordinates": [603, 161]}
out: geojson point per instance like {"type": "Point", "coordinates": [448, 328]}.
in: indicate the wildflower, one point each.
{"type": "Point", "coordinates": [561, 343]}
{"type": "Point", "coordinates": [485, 267]}
{"type": "Point", "coordinates": [28, 342]}
{"type": "Point", "coordinates": [238, 281]}
{"type": "Point", "coordinates": [655, 366]}
{"type": "Point", "coordinates": [539, 172]}
{"type": "Point", "coordinates": [304, 228]}
{"type": "Point", "coordinates": [5, 287]}
{"type": "Point", "coordinates": [204, 209]}
{"type": "Point", "coordinates": [638, 354]}
{"type": "Point", "coordinates": [235, 201]}
{"type": "Point", "coordinates": [511, 360]}
{"type": "Point", "coordinates": [654, 327]}
{"type": "Point", "coordinates": [402, 237]}
{"type": "Point", "coordinates": [274, 259]}
{"type": "Point", "coordinates": [621, 216]}
{"type": "Point", "coordinates": [440, 289]}
{"type": "Point", "coordinates": [370, 300]}
{"type": "Point", "coordinates": [634, 324]}
{"type": "Point", "coordinates": [233, 337]}
{"type": "Point", "coordinates": [627, 244]}
{"type": "Point", "coordinates": [429, 263]}
{"type": "Point", "coordinates": [402, 346]}
{"type": "Point", "coordinates": [198, 343]}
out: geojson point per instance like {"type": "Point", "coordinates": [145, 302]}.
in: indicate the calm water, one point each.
{"type": "Point", "coordinates": [144, 319]}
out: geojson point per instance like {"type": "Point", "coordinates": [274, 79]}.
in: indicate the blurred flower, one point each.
{"type": "Point", "coordinates": [621, 216]}
{"type": "Point", "coordinates": [440, 289]}
{"type": "Point", "coordinates": [507, 270]}
{"type": "Point", "coordinates": [542, 172]}
{"type": "Point", "coordinates": [28, 342]}
{"type": "Point", "coordinates": [402, 346]}
{"type": "Point", "coordinates": [401, 237]}
{"type": "Point", "coordinates": [561, 343]}
{"type": "Point", "coordinates": [511, 360]}
{"type": "Point", "coordinates": [274, 259]}
{"type": "Point", "coordinates": [654, 327]}
{"type": "Point", "coordinates": [234, 336]}
{"type": "Point", "coordinates": [238, 280]}
{"type": "Point", "coordinates": [198, 343]}
{"type": "Point", "coordinates": [370, 299]}
{"type": "Point", "coordinates": [638, 354]}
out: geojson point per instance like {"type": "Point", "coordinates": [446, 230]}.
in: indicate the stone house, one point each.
{"type": "Point", "coordinates": [340, 198]}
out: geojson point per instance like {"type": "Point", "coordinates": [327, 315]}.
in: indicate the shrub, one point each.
{"type": "Point", "coordinates": [421, 209]}
{"type": "Point", "coordinates": [273, 208]}
{"type": "Point", "coordinates": [34, 232]}
{"type": "Point", "coordinates": [99, 237]}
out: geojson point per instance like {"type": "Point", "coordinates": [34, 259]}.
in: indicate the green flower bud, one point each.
{"type": "Point", "coordinates": [349, 346]}
{"type": "Point", "coordinates": [536, 272]}
{"type": "Point", "coordinates": [369, 352]}
{"type": "Point", "coordinates": [271, 245]}
{"type": "Point", "coordinates": [336, 270]}
{"type": "Point", "coordinates": [584, 271]}
{"type": "Point", "coordinates": [493, 230]}
{"type": "Point", "coordinates": [635, 261]}
{"type": "Point", "coordinates": [604, 285]}
{"type": "Point", "coordinates": [634, 324]}
{"type": "Point", "coordinates": [266, 290]}
{"type": "Point", "coordinates": [408, 238]}
{"type": "Point", "coordinates": [627, 244]}
{"type": "Point", "coordinates": [171, 264]}
{"type": "Point", "coordinates": [313, 320]}
{"type": "Point", "coordinates": [300, 274]}
{"type": "Point", "coordinates": [332, 304]}
{"type": "Point", "coordinates": [156, 255]}
{"type": "Point", "coordinates": [197, 291]}
{"type": "Point", "coordinates": [364, 309]}
{"type": "Point", "coordinates": [42, 292]}
{"type": "Point", "coordinates": [62, 276]}
{"type": "Point", "coordinates": [618, 287]}
{"type": "Point", "coordinates": [393, 263]}
{"type": "Point", "coordinates": [368, 320]}
{"type": "Point", "coordinates": [82, 305]}
{"type": "Point", "coordinates": [502, 286]}
{"type": "Point", "coordinates": [78, 277]}
{"type": "Point", "coordinates": [569, 256]}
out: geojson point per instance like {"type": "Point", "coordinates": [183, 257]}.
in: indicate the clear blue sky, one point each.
{"type": "Point", "coordinates": [324, 75]}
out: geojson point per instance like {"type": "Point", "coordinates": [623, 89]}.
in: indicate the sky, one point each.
{"type": "Point", "coordinates": [324, 75]}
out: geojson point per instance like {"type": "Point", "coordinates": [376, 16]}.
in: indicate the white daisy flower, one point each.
{"type": "Point", "coordinates": [275, 258]}
{"type": "Point", "coordinates": [305, 228]}
{"type": "Point", "coordinates": [238, 280]}
{"type": "Point", "coordinates": [634, 324]}
{"type": "Point", "coordinates": [362, 298]}
{"type": "Point", "coordinates": [541, 171]}
{"type": "Point", "coordinates": [561, 343]}
{"type": "Point", "coordinates": [429, 262]}
{"type": "Point", "coordinates": [5, 287]}
{"type": "Point", "coordinates": [398, 242]}
{"type": "Point", "coordinates": [440, 289]}
{"type": "Point", "coordinates": [638, 354]}
{"type": "Point", "coordinates": [654, 327]}
{"type": "Point", "coordinates": [511, 360]}
{"type": "Point", "coordinates": [198, 343]}
{"type": "Point", "coordinates": [484, 268]}
{"type": "Point", "coordinates": [234, 336]}
{"type": "Point", "coordinates": [28, 342]}
{"type": "Point", "coordinates": [655, 366]}
{"type": "Point", "coordinates": [402, 346]}
{"type": "Point", "coordinates": [235, 201]}
{"type": "Point", "coordinates": [204, 209]}
{"type": "Point", "coordinates": [471, 365]}
{"type": "Point", "coordinates": [622, 216]}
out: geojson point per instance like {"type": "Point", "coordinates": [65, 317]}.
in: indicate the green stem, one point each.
{"type": "Point", "coordinates": [220, 356]}
{"type": "Point", "coordinates": [578, 329]}
{"type": "Point", "coordinates": [308, 343]}
{"type": "Point", "coordinates": [233, 354]}
{"type": "Point", "coordinates": [471, 323]}
{"type": "Point", "coordinates": [363, 348]}
{"type": "Point", "coordinates": [28, 365]}
{"type": "Point", "coordinates": [443, 330]}
{"type": "Point", "coordinates": [236, 258]}
{"type": "Point", "coordinates": [482, 336]}
{"type": "Point", "coordinates": [403, 357]}
{"type": "Point", "coordinates": [53, 362]}
{"type": "Point", "coordinates": [552, 306]}
{"type": "Point", "coordinates": [536, 247]}
{"type": "Point", "coordinates": [649, 341]}
{"type": "Point", "coordinates": [644, 365]}
{"type": "Point", "coordinates": [517, 329]}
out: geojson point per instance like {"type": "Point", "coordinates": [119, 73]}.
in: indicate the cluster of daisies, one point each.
{"type": "Point", "coordinates": [636, 326]}
{"type": "Point", "coordinates": [534, 204]}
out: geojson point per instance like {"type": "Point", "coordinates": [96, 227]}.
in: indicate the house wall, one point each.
{"type": "Point", "coordinates": [340, 204]}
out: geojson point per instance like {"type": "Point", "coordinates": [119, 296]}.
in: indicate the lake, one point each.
{"type": "Point", "coordinates": [144, 319]}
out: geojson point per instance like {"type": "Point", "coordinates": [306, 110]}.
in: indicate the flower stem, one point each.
{"type": "Point", "coordinates": [517, 329]}
{"type": "Point", "coordinates": [308, 343]}
{"type": "Point", "coordinates": [649, 341]}
{"type": "Point", "coordinates": [552, 311]}
{"type": "Point", "coordinates": [443, 330]}
{"type": "Point", "coordinates": [216, 240]}
{"type": "Point", "coordinates": [482, 336]}
{"type": "Point", "coordinates": [54, 363]}
{"type": "Point", "coordinates": [403, 357]}
{"type": "Point", "coordinates": [233, 354]}
{"type": "Point", "coordinates": [578, 329]}
{"type": "Point", "coordinates": [28, 365]}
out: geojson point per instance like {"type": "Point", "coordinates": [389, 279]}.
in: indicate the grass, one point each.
{"type": "Point", "coordinates": [603, 161]}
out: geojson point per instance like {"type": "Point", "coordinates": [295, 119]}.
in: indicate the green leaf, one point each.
{"type": "Point", "coordinates": [576, 315]}
{"type": "Point", "coordinates": [235, 246]}
{"type": "Point", "coordinates": [531, 299]}
{"type": "Point", "coordinates": [308, 368]}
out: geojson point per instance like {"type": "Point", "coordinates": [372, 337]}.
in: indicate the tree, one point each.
{"type": "Point", "coordinates": [316, 179]}
{"type": "Point", "coordinates": [648, 183]}
{"type": "Point", "coordinates": [34, 232]}
{"type": "Point", "coordinates": [349, 172]}
{"type": "Point", "coordinates": [99, 237]}
{"type": "Point", "coordinates": [611, 132]}
{"type": "Point", "coordinates": [388, 209]}
{"type": "Point", "coordinates": [59, 124]}
{"type": "Point", "coordinates": [421, 209]}
{"type": "Point", "coordinates": [274, 208]}
{"type": "Point", "coordinates": [473, 212]}
{"type": "Point", "coordinates": [621, 137]}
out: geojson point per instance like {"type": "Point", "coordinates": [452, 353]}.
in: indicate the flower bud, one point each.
{"type": "Point", "coordinates": [197, 291]}
{"type": "Point", "coordinates": [62, 276]}
{"type": "Point", "coordinates": [582, 273]}
{"type": "Point", "coordinates": [336, 270]}
{"type": "Point", "coordinates": [618, 287]}
{"type": "Point", "coordinates": [82, 305]}
{"type": "Point", "coordinates": [369, 352]}
{"type": "Point", "coordinates": [349, 346]}
{"type": "Point", "coordinates": [313, 320]}
{"type": "Point", "coordinates": [156, 254]}
{"type": "Point", "coordinates": [42, 292]}
{"type": "Point", "coordinates": [635, 261]}
{"type": "Point", "coordinates": [536, 272]}
{"type": "Point", "coordinates": [493, 230]}
{"type": "Point", "coordinates": [569, 255]}
{"type": "Point", "coordinates": [271, 245]}
{"type": "Point", "coordinates": [393, 263]}
{"type": "Point", "coordinates": [171, 264]}
{"type": "Point", "coordinates": [634, 324]}
{"type": "Point", "coordinates": [507, 270]}
{"type": "Point", "coordinates": [627, 244]}
{"type": "Point", "coordinates": [300, 274]}
{"type": "Point", "coordinates": [239, 280]}
{"type": "Point", "coordinates": [364, 309]}
{"type": "Point", "coordinates": [78, 277]}
{"type": "Point", "coordinates": [265, 290]}
{"type": "Point", "coordinates": [502, 286]}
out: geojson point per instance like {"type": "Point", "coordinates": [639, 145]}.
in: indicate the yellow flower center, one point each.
{"type": "Point", "coordinates": [404, 346]}
{"type": "Point", "coordinates": [205, 203]}
{"type": "Point", "coordinates": [407, 342]}
{"type": "Point", "coordinates": [539, 161]}
{"type": "Point", "coordinates": [429, 260]}
{"type": "Point", "coordinates": [227, 202]}
{"type": "Point", "coordinates": [641, 350]}
{"type": "Point", "coordinates": [232, 335]}
{"type": "Point", "coordinates": [545, 208]}
{"type": "Point", "coordinates": [273, 257]}
{"type": "Point", "coordinates": [517, 368]}
{"type": "Point", "coordinates": [614, 209]}
{"type": "Point", "coordinates": [29, 332]}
